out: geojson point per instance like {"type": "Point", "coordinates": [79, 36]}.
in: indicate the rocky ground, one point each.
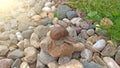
{"type": "Point", "coordinates": [32, 37]}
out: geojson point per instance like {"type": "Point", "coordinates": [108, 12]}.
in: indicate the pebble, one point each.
{"type": "Point", "coordinates": [66, 20]}
{"type": "Point", "coordinates": [16, 63]}
{"type": "Point", "coordinates": [53, 8]}
{"type": "Point", "coordinates": [62, 13]}
{"type": "Point", "coordinates": [27, 33]}
{"type": "Point", "coordinates": [48, 4]}
{"type": "Point", "coordinates": [24, 65]}
{"type": "Point", "coordinates": [62, 23]}
{"type": "Point", "coordinates": [76, 21]}
{"type": "Point", "coordinates": [21, 45]}
{"type": "Point", "coordinates": [78, 46]}
{"type": "Point", "coordinates": [30, 54]}
{"type": "Point", "coordinates": [6, 63]}
{"type": "Point", "coordinates": [48, 20]}
{"type": "Point", "coordinates": [72, 31]}
{"type": "Point", "coordinates": [36, 17]}
{"type": "Point", "coordinates": [4, 35]}
{"type": "Point", "coordinates": [71, 14]}
{"type": "Point", "coordinates": [86, 54]}
{"type": "Point", "coordinates": [99, 45]}
{"type": "Point", "coordinates": [13, 38]}
{"type": "Point", "coordinates": [84, 34]}
{"type": "Point", "coordinates": [72, 64]}
{"type": "Point", "coordinates": [46, 9]}
{"type": "Point", "coordinates": [26, 43]}
{"type": "Point", "coordinates": [110, 62]}
{"type": "Point", "coordinates": [55, 20]}
{"type": "Point", "coordinates": [39, 64]}
{"type": "Point", "coordinates": [90, 32]}
{"type": "Point", "coordinates": [63, 60]}
{"type": "Point", "coordinates": [16, 54]}
{"type": "Point", "coordinates": [76, 55]}
{"type": "Point", "coordinates": [43, 14]}
{"type": "Point", "coordinates": [19, 36]}
{"type": "Point", "coordinates": [45, 58]}
{"type": "Point", "coordinates": [84, 25]}
{"type": "Point", "coordinates": [34, 40]}
{"type": "Point", "coordinates": [3, 50]}
{"type": "Point", "coordinates": [37, 8]}
{"type": "Point", "coordinates": [117, 57]}
{"type": "Point", "coordinates": [52, 65]}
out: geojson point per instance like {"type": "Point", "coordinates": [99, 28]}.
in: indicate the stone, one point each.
{"type": "Point", "coordinates": [72, 31]}
{"type": "Point", "coordinates": [26, 43]}
{"type": "Point", "coordinates": [84, 34]}
{"type": "Point", "coordinates": [53, 8]}
{"type": "Point", "coordinates": [110, 62]}
{"type": "Point", "coordinates": [76, 55]}
{"type": "Point", "coordinates": [16, 63]}
{"type": "Point", "coordinates": [76, 21]}
{"type": "Point", "coordinates": [31, 13]}
{"type": "Point", "coordinates": [63, 60]}
{"type": "Point", "coordinates": [55, 20]}
{"type": "Point", "coordinates": [72, 64]}
{"type": "Point", "coordinates": [71, 14]}
{"type": "Point", "coordinates": [45, 58]}
{"type": "Point", "coordinates": [3, 50]}
{"type": "Point", "coordinates": [62, 23]}
{"type": "Point", "coordinates": [43, 14]}
{"type": "Point", "coordinates": [62, 13]}
{"type": "Point", "coordinates": [34, 40]}
{"type": "Point", "coordinates": [48, 20]}
{"type": "Point", "coordinates": [84, 25]}
{"type": "Point", "coordinates": [21, 45]}
{"type": "Point", "coordinates": [16, 54]}
{"type": "Point", "coordinates": [24, 65]}
{"type": "Point", "coordinates": [36, 17]}
{"type": "Point", "coordinates": [91, 65]}
{"type": "Point", "coordinates": [30, 54]}
{"type": "Point", "coordinates": [37, 7]}
{"type": "Point", "coordinates": [26, 34]}
{"type": "Point", "coordinates": [51, 15]}
{"type": "Point", "coordinates": [19, 36]}
{"type": "Point", "coordinates": [106, 22]}
{"type": "Point", "coordinates": [90, 32]}
{"type": "Point", "coordinates": [5, 63]}
{"type": "Point", "coordinates": [86, 54]}
{"type": "Point", "coordinates": [78, 46]}
{"type": "Point", "coordinates": [39, 64]}
{"type": "Point", "coordinates": [48, 4]}
{"type": "Point", "coordinates": [13, 38]}
{"type": "Point", "coordinates": [99, 45]}
{"type": "Point", "coordinates": [46, 9]}
{"type": "Point", "coordinates": [66, 21]}
{"type": "Point", "coordinates": [41, 30]}
{"type": "Point", "coordinates": [4, 35]}
{"type": "Point", "coordinates": [117, 57]}
{"type": "Point", "coordinates": [14, 23]}
{"type": "Point", "coordinates": [52, 65]}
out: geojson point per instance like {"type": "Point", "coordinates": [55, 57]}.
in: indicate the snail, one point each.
{"type": "Point", "coordinates": [58, 32]}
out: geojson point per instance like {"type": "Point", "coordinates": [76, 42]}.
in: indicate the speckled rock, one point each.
{"type": "Point", "coordinates": [3, 50]}
{"type": "Point", "coordinates": [61, 12]}
{"type": "Point", "coordinates": [5, 63]}
{"type": "Point", "coordinates": [16, 63]}
{"type": "Point", "coordinates": [72, 64]}
{"type": "Point", "coordinates": [71, 14]}
{"type": "Point", "coordinates": [26, 34]}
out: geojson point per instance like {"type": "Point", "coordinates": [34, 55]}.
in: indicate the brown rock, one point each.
{"type": "Point", "coordinates": [72, 64]}
{"type": "Point", "coordinates": [84, 34]}
{"type": "Point", "coordinates": [6, 63]}
{"type": "Point", "coordinates": [62, 50]}
{"type": "Point", "coordinates": [78, 46]}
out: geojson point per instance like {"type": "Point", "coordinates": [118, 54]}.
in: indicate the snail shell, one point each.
{"type": "Point", "coordinates": [58, 32]}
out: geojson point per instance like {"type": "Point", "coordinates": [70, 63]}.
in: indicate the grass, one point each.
{"type": "Point", "coordinates": [99, 9]}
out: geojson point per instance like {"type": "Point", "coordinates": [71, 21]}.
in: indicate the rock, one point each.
{"type": "Point", "coordinates": [62, 13]}
{"type": "Point", "coordinates": [30, 54]}
{"type": "Point", "coordinates": [7, 27]}
{"type": "Point", "coordinates": [117, 57]}
{"type": "Point", "coordinates": [38, 7]}
{"type": "Point", "coordinates": [62, 23]}
{"type": "Point", "coordinates": [78, 46]}
{"type": "Point", "coordinates": [84, 34]}
{"type": "Point", "coordinates": [31, 13]}
{"type": "Point", "coordinates": [71, 14]}
{"type": "Point", "coordinates": [31, 2]}
{"type": "Point", "coordinates": [46, 9]}
{"type": "Point", "coordinates": [13, 38]}
{"type": "Point", "coordinates": [84, 25]}
{"type": "Point", "coordinates": [93, 38]}
{"type": "Point", "coordinates": [39, 64]}
{"type": "Point", "coordinates": [48, 20]}
{"type": "Point", "coordinates": [26, 43]}
{"type": "Point", "coordinates": [99, 45]}
{"type": "Point", "coordinates": [16, 54]}
{"type": "Point", "coordinates": [43, 14]}
{"type": "Point", "coordinates": [109, 50]}
{"type": "Point", "coordinates": [36, 17]}
{"type": "Point", "coordinates": [5, 63]}
{"type": "Point", "coordinates": [45, 58]}
{"type": "Point", "coordinates": [76, 55]}
{"type": "Point", "coordinates": [21, 45]}
{"type": "Point", "coordinates": [24, 65]}
{"type": "Point", "coordinates": [4, 35]}
{"type": "Point", "coordinates": [3, 50]}
{"type": "Point", "coordinates": [34, 40]}
{"type": "Point", "coordinates": [72, 31]}
{"type": "Point", "coordinates": [106, 22]}
{"type": "Point", "coordinates": [16, 63]}
{"type": "Point", "coordinates": [63, 60]}
{"type": "Point", "coordinates": [86, 54]}
{"type": "Point", "coordinates": [72, 64]}
{"type": "Point", "coordinates": [14, 23]}
{"type": "Point", "coordinates": [90, 32]}
{"type": "Point", "coordinates": [76, 21]}
{"type": "Point", "coordinates": [55, 20]}
{"type": "Point", "coordinates": [66, 21]}
{"type": "Point", "coordinates": [41, 30]}
{"type": "Point", "coordinates": [53, 8]}
{"type": "Point", "coordinates": [110, 62]}
{"type": "Point", "coordinates": [52, 65]}
{"type": "Point", "coordinates": [91, 65]}
{"type": "Point", "coordinates": [26, 34]}
{"type": "Point", "coordinates": [48, 4]}
{"type": "Point", "coordinates": [19, 36]}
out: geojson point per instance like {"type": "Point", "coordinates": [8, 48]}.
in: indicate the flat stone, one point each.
{"type": "Point", "coordinates": [16, 54]}
{"type": "Point", "coordinates": [72, 64]}
{"type": "Point", "coordinates": [16, 63]}
{"type": "Point", "coordinates": [3, 50]}
{"type": "Point", "coordinates": [6, 63]}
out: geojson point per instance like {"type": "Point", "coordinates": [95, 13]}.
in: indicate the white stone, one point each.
{"type": "Point", "coordinates": [24, 65]}
{"type": "Point", "coordinates": [53, 8]}
{"type": "Point", "coordinates": [76, 21]}
{"type": "Point", "coordinates": [46, 9]}
{"type": "Point", "coordinates": [19, 36]}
